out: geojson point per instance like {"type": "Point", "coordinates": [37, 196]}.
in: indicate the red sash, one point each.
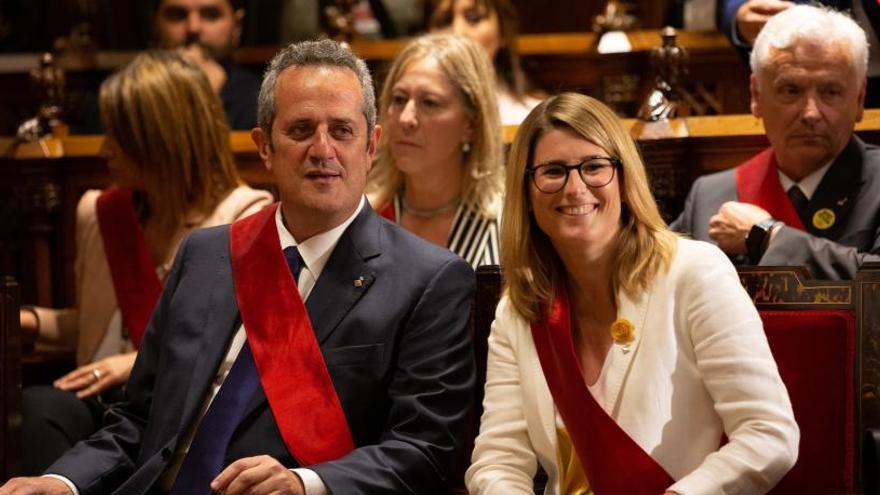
{"type": "Point", "coordinates": [132, 267]}
{"type": "Point", "coordinates": [613, 462]}
{"type": "Point", "coordinates": [289, 362]}
{"type": "Point", "coordinates": [757, 182]}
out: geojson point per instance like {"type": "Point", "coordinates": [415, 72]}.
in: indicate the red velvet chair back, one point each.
{"type": "Point", "coordinates": [815, 352]}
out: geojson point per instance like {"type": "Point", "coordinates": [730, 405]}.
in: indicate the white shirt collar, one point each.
{"type": "Point", "coordinates": [808, 184]}
{"type": "Point", "coordinates": [316, 250]}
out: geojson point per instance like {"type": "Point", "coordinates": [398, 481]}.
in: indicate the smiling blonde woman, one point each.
{"type": "Point", "coordinates": [620, 355]}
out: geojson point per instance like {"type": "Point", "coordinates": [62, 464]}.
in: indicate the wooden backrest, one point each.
{"type": "Point", "coordinates": [10, 379]}
{"type": "Point", "coordinates": [486, 297]}
{"type": "Point", "coordinates": [485, 300]}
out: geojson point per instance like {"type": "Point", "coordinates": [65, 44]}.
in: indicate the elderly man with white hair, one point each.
{"type": "Point", "coordinates": [813, 197]}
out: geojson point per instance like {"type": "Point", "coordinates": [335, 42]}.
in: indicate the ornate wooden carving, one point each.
{"type": "Point", "coordinates": [616, 16]}
{"type": "Point", "coordinates": [340, 20]}
{"type": "Point", "coordinates": [867, 285]}
{"type": "Point", "coordinates": [669, 63]}
{"type": "Point", "coordinates": [791, 287]}
{"type": "Point", "coordinates": [47, 81]}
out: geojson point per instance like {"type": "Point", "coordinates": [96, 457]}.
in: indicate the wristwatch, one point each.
{"type": "Point", "coordinates": [758, 238]}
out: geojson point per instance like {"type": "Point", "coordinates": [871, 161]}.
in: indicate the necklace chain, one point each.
{"type": "Point", "coordinates": [429, 213]}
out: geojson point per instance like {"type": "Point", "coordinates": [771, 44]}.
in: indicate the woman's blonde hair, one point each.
{"type": "Point", "coordinates": [532, 268]}
{"type": "Point", "coordinates": [166, 118]}
{"type": "Point", "coordinates": [468, 67]}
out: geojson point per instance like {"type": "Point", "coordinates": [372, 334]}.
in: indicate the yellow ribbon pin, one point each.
{"type": "Point", "coordinates": [824, 218]}
{"type": "Point", "coordinates": [623, 332]}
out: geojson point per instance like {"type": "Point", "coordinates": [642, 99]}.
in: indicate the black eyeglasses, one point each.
{"type": "Point", "coordinates": [595, 171]}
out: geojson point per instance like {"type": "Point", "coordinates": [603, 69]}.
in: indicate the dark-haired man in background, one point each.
{"type": "Point", "coordinates": [208, 31]}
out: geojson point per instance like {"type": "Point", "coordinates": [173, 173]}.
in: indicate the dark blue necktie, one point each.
{"type": "Point", "coordinates": [294, 261]}
{"type": "Point", "coordinates": [204, 461]}
{"type": "Point", "coordinates": [798, 199]}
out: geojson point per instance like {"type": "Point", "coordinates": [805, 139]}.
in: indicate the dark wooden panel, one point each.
{"type": "Point", "coordinates": [553, 61]}
{"type": "Point", "coordinates": [38, 196]}
{"type": "Point", "coordinates": [10, 379]}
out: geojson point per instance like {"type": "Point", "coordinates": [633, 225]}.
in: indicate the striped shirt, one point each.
{"type": "Point", "coordinates": [474, 236]}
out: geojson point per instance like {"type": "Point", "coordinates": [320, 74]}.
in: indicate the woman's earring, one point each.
{"type": "Point", "coordinates": [465, 147]}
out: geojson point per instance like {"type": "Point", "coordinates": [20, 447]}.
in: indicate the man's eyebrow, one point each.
{"type": "Point", "coordinates": [173, 9]}
{"type": "Point", "coordinates": [299, 121]}
{"type": "Point", "coordinates": [342, 121]}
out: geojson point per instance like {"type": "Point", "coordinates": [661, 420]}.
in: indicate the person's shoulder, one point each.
{"type": "Point", "coordinates": [241, 80]}
{"type": "Point", "coordinates": [209, 238]}
{"type": "Point", "coordinates": [240, 202]}
{"type": "Point", "coordinates": [87, 216]}
{"type": "Point", "coordinates": [244, 192]}
{"type": "Point", "coordinates": [872, 156]}
{"type": "Point", "coordinates": [698, 257]}
{"type": "Point", "coordinates": [709, 191]}
{"type": "Point", "coordinates": [409, 249]}
{"type": "Point", "coordinates": [88, 203]}
{"type": "Point", "coordinates": [718, 179]}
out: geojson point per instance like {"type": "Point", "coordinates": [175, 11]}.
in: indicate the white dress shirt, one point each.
{"type": "Point", "coordinates": [808, 184]}
{"type": "Point", "coordinates": [315, 251]}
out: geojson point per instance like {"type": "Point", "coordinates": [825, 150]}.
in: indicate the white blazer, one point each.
{"type": "Point", "coordinates": [700, 367]}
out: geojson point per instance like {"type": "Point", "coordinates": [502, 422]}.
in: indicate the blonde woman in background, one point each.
{"type": "Point", "coordinates": [438, 171]}
{"type": "Point", "coordinates": [167, 148]}
{"type": "Point", "coordinates": [620, 355]}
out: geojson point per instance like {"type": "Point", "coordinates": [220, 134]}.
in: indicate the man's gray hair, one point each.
{"type": "Point", "coordinates": [815, 24]}
{"type": "Point", "coordinates": [327, 53]}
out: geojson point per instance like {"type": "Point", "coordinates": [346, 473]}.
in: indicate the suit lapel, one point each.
{"type": "Point", "coordinates": [836, 193]}
{"type": "Point", "coordinates": [622, 355]}
{"type": "Point", "coordinates": [347, 275]}
{"type": "Point", "coordinates": [344, 280]}
{"type": "Point", "coordinates": [220, 324]}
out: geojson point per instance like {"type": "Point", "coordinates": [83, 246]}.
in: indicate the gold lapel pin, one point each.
{"type": "Point", "coordinates": [359, 282]}
{"type": "Point", "coordinates": [824, 219]}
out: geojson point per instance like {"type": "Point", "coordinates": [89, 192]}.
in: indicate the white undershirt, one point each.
{"type": "Point", "coordinates": [315, 251]}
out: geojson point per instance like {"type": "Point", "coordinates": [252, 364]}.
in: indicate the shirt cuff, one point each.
{"type": "Point", "coordinates": [66, 482]}
{"type": "Point", "coordinates": [313, 483]}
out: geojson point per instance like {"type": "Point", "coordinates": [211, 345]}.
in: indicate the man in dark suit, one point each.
{"type": "Point", "coordinates": [813, 198]}
{"type": "Point", "coordinates": [367, 393]}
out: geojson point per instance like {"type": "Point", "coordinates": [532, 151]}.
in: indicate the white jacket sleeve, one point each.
{"type": "Point", "coordinates": [738, 371]}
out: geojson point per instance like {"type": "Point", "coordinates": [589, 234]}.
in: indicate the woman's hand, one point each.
{"type": "Point", "coordinates": [97, 377]}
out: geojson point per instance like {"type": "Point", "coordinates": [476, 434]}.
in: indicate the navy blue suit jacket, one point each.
{"type": "Point", "coordinates": [397, 349]}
